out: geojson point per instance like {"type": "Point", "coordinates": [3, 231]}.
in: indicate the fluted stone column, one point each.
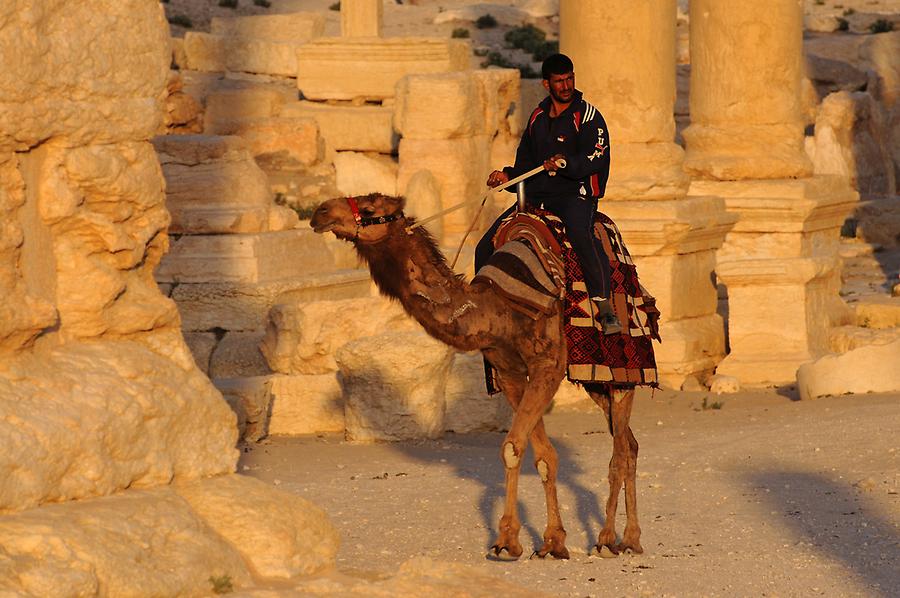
{"type": "Point", "coordinates": [628, 73]}
{"type": "Point", "coordinates": [779, 264]}
{"type": "Point", "coordinates": [361, 18]}
{"type": "Point", "coordinates": [746, 68]}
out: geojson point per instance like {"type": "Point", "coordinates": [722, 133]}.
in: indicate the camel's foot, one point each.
{"type": "Point", "coordinates": [631, 541]}
{"type": "Point", "coordinates": [605, 551]}
{"type": "Point", "coordinates": [554, 545]}
{"type": "Point", "coordinates": [504, 553]}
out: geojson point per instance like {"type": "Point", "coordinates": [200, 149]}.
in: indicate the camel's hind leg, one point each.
{"type": "Point", "coordinates": [529, 404]}
{"type": "Point", "coordinates": [616, 406]}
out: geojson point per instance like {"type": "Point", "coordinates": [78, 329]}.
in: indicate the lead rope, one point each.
{"type": "Point", "coordinates": [561, 163]}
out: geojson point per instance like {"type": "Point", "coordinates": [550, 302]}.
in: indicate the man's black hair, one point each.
{"type": "Point", "coordinates": [557, 64]}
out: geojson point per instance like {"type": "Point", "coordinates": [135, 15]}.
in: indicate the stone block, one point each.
{"type": "Point", "coordinates": [219, 53]}
{"type": "Point", "coordinates": [500, 91]}
{"type": "Point", "coordinates": [684, 284]}
{"type": "Point", "coordinates": [364, 128]}
{"type": "Point", "coordinates": [394, 386]}
{"type": "Point", "coordinates": [280, 535]}
{"type": "Point", "coordinates": [138, 543]}
{"type": "Point", "coordinates": [226, 109]}
{"type": "Point", "coordinates": [348, 68]}
{"type": "Point", "coordinates": [505, 15]}
{"type": "Point", "coordinates": [851, 142]}
{"type": "Point", "coordinates": [846, 338]}
{"type": "Point", "coordinates": [306, 404]}
{"type": "Point", "coordinates": [880, 53]}
{"type": "Point", "coordinates": [283, 218]}
{"type": "Point", "coordinates": [237, 355]}
{"type": "Point", "coordinates": [113, 415]}
{"type": "Point", "coordinates": [648, 171]}
{"type": "Point", "coordinates": [244, 258]}
{"type": "Point", "coordinates": [878, 312]}
{"type": "Point", "coordinates": [303, 337]}
{"type": "Point", "coordinates": [721, 384]}
{"type": "Point", "coordinates": [458, 165]}
{"type": "Point", "coordinates": [423, 199]}
{"type": "Point", "coordinates": [360, 174]}
{"type": "Point", "coordinates": [690, 346]}
{"type": "Point", "coordinates": [469, 407]}
{"type": "Point", "coordinates": [878, 221]}
{"type": "Point", "coordinates": [249, 397]}
{"type": "Point", "coordinates": [295, 27]}
{"type": "Point", "coordinates": [289, 143]}
{"type": "Point", "coordinates": [440, 106]}
{"type": "Point", "coordinates": [243, 306]}
{"type": "Point", "coordinates": [875, 368]}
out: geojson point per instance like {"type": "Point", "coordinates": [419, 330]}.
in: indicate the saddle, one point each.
{"type": "Point", "coordinates": [535, 267]}
{"type": "Point", "coordinates": [527, 266]}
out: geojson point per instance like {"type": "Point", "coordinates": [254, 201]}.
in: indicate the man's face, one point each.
{"type": "Point", "coordinates": [561, 87]}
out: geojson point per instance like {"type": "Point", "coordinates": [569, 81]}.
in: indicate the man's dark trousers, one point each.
{"type": "Point", "coordinates": [577, 216]}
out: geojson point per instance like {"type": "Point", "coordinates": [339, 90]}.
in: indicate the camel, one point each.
{"type": "Point", "coordinates": [529, 356]}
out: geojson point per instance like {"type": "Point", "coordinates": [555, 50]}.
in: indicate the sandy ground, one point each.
{"type": "Point", "coordinates": [763, 496]}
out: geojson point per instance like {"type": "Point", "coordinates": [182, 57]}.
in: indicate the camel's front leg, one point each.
{"type": "Point", "coordinates": [535, 400]}
{"type": "Point", "coordinates": [622, 469]}
{"type": "Point", "coordinates": [547, 463]}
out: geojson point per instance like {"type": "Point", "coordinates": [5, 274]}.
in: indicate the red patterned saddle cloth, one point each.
{"type": "Point", "coordinates": [625, 358]}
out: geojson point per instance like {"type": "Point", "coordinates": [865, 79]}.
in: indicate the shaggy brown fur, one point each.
{"type": "Point", "coordinates": [529, 356]}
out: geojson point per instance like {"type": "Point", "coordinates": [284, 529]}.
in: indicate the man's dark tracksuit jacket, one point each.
{"type": "Point", "coordinates": [578, 133]}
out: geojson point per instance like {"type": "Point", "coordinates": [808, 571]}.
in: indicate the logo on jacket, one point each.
{"type": "Point", "coordinates": [600, 147]}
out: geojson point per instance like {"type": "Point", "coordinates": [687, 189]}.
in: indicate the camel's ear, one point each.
{"type": "Point", "coordinates": [393, 205]}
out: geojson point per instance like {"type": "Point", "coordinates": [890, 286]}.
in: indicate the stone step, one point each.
{"type": "Point", "coordinates": [245, 258]}
{"type": "Point", "coordinates": [218, 219]}
{"type": "Point", "coordinates": [877, 311]}
{"type": "Point", "coordinates": [241, 306]}
{"type": "Point", "coordinates": [847, 338]}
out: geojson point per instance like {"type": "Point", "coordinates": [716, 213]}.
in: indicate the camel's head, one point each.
{"type": "Point", "coordinates": [364, 218]}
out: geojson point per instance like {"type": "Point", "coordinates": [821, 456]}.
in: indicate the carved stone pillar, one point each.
{"type": "Point", "coordinates": [361, 18]}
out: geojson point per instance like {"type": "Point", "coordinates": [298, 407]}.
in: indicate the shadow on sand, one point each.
{"type": "Point", "coordinates": [838, 522]}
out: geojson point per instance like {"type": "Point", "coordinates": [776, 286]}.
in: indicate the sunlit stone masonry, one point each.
{"type": "Point", "coordinates": [780, 263]}
{"type": "Point", "coordinates": [100, 400]}
{"type": "Point", "coordinates": [628, 73]}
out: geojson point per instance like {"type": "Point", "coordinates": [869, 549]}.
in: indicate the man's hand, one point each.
{"type": "Point", "coordinates": [553, 163]}
{"type": "Point", "coordinates": [498, 177]}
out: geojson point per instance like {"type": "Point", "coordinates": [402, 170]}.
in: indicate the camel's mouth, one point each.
{"type": "Point", "coordinates": [324, 228]}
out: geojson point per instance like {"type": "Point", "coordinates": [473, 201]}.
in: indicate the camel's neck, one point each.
{"type": "Point", "coordinates": [411, 269]}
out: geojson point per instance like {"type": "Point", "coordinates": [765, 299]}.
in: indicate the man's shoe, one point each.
{"type": "Point", "coordinates": [609, 323]}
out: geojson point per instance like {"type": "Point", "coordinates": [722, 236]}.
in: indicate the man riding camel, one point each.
{"type": "Point", "coordinates": [564, 126]}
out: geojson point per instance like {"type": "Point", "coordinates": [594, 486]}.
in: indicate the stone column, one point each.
{"type": "Point", "coordinates": [628, 73]}
{"type": "Point", "coordinates": [779, 264]}
{"type": "Point", "coordinates": [746, 68]}
{"type": "Point", "coordinates": [361, 18]}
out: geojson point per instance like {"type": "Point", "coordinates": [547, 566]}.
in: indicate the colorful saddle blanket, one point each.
{"type": "Point", "coordinates": [624, 359]}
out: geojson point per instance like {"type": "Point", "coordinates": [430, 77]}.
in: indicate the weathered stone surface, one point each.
{"type": "Point", "coordinates": [289, 142]}
{"type": "Point", "coordinates": [59, 86]}
{"type": "Point", "coordinates": [875, 368]}
{"type": "Point", "coordinates": [743, 99]}
{"type": "Point", "coordinates": [830, 75]}
{"type": "Point", "coordinates": [306, 404]}
{"type": "Point", "coordinates": [90, 419]}
{"type": "Point", "coordinates": [226, 109]}
{"type": "Point", "coordinates": [219, 53]}
{"type": "Point", "coordinates": [458, 165]}
{"type": "Point", "coordinates": [821, 23]}
{"type": "Point", "coordinates": [500, 91]}
{"type": "Point", "coordinates": [140, 543]}
{"type": "Point", "coordinates": [347, 68]}
{"type": "Point", "coordinates": [303, 337]}
{"type": "Point", "coordinates": [361, 18]}
{"type": "Point", "coordinates": [279, 534]}
{"type": "Point", "coordinates": [846, 338]}
{"type": "Point", "coordinates": [469, 408]}
{"type": "Point", "coordinates": [213, 185]}
{"type": "Point", "coordinates": [878, 312]}
{"type": "Point", "coordinates": [721, 384]}
{"type": "Point", "coordinates": [243, 306]}
{"type": "Point", "coordinates": [439, 106]}
{"type": "Point", "coordinates": [879, 221]}
{"type": "Point", "coordinates": [237, 355]}
{"type": "Point", "coordinates": [394, 386]}
{"type": "Point", "coordinates": [184, 114]}
{"type": "Point", "coordinates": [505, 15]}
{"type": "Point", "coordinates": [359, 174]}
{"type": "Point", "coordinates": [423, 199]}
{"type": "Point", "coordinates": [882, 54]}
{"type": "Point", "coordinates": [244, 258]}
{"type": "Point", "coordinates": [295, 27]}
{"type": "Point", "coordinates": [850, 141]}
{"type": "Point", "coordinates": [201, 345]}
{"type": "Point", "coordinates": [365, 128]}
{"type": "Point", "coordinates": [691, 345]}
{"type": "Point", "coordinates": [249, 397]}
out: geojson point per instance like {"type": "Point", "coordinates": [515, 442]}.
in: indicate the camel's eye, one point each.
{"type": "Point", "coordinates": [367, 211]}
